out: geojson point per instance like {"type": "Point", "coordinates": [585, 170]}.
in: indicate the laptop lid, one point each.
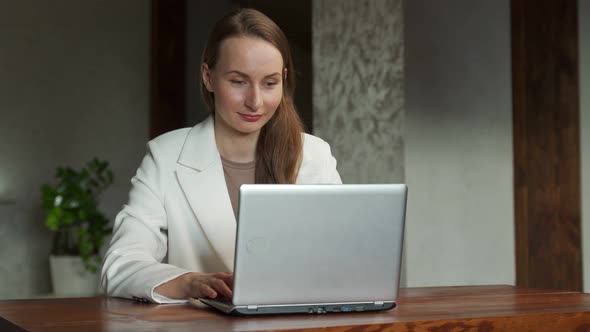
{"type": "Point", "coordinates": [306, 244]}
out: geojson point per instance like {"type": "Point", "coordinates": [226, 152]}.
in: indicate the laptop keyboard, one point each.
{"type": "Point", "coordinates": [223, 300]}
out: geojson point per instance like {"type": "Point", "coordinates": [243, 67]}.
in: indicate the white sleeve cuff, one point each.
{"type": "Point", "coordinates": [161, 299]}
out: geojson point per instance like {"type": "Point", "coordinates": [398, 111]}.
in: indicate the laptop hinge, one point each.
{"type": "Point", "coordinates": [378, 303]}
{"type": "Point", "coordinates": [252, 307]}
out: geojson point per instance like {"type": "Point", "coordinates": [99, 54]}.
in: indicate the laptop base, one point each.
{"type": "Point", "coordinates": [321, 308]}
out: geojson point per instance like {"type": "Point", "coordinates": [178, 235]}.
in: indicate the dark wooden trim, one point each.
{"type": "Point", "coordinates": [168, 66]}
{"type": "Point", "coordinates": [546, 144]}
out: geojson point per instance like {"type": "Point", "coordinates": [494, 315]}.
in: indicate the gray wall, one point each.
{"type": "Point", "coordinates": [584, 40]}
{"type": "Point", "coordinates": [358, 95]}
{"type": "Point", "coordinates": [458, 143]}
{"type": "Point", "coordinates": [74, 85]}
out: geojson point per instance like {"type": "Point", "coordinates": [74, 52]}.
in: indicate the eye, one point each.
{"type": "Point", "coordinates": [238, 82]}
{"type": "Point", "coordinates": [270, 84]}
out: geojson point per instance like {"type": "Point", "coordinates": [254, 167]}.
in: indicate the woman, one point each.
{"type": "Point", "coordinates": [175, 238]}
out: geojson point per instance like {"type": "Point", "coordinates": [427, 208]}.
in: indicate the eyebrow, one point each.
{"type": "Point", "coordinates": [246, 75]}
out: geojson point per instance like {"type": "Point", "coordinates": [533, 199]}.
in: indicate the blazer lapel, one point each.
{"type": "Point", "coordinates": [203, 184]}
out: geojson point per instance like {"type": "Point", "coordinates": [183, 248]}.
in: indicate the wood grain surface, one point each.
{"type": "Point", "coordinates": [478, 308]}
{"type": "Point", "coordinates": [546, 144]}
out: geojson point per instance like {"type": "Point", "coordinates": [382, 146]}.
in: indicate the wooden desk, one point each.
{"type": "Point", "coordinates": [483, 308]}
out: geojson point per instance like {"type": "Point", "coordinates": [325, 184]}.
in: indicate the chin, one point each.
{"type": "Point", "coordinates": [245, 127]}
{"type": "Point", "coordinates": [249, 128]}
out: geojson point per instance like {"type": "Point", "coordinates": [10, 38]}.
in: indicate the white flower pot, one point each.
{"type": "Point", "coordinates": [70, 278]}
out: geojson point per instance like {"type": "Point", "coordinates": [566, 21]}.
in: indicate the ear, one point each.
{"type": "Point", "coordinates": [206, 76]}
{"type": "Point", "coordinates": [285, 74]}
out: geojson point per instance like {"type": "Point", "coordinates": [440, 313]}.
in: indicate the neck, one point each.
{"type": "Point", "coordinates": [235, 146]}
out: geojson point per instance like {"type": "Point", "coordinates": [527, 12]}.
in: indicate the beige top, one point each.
{"type": "Point", "coordinates": [237, 174]}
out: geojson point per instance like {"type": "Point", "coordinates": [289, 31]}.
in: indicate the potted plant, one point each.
{"type": "Point", "coordinates": [79, 227]}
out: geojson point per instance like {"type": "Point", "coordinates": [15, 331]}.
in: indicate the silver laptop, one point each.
{"type": "Point", "coordinates": [317, 249]}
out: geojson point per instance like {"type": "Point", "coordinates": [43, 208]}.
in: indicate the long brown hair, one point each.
{"type": "Point", "coordinates": [279, 148]}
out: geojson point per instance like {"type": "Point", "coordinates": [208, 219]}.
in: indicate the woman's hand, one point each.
{"type": "Point", "coordinates": [196, 285]}
{"type": "Point", "coordinates": [210, 285]}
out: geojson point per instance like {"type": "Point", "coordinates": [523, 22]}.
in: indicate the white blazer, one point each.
{"type": "Point", "coordinates": [179, 216]}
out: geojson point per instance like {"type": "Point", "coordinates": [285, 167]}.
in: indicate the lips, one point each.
{"type": "Point", "coordinates": [250, 117]}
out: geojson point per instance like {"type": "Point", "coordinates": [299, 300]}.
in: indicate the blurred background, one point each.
{"type": "Point", "coordinates": [481, 107]}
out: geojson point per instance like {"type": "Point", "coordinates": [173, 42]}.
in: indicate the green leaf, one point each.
{"type": "Point", "coordinates": [48, 194]}
{"type": "Point", "coordinates": [83, 214]}
{"type": "Point", "coordinates": [66, 217]}
{"type": "Point", "coordinates": [52, 220]}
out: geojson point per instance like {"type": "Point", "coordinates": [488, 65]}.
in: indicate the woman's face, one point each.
{"type": "Point", "coordinates": [247, 83]}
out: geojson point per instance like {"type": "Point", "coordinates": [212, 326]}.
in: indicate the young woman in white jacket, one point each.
{"type": "Point", "coordinates": [175, 237]}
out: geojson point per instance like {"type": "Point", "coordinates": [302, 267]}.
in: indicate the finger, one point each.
{"type": "Point", "coordinates": [205, 290]}
{"type": "Point", "coordinates": [224, 274]}
{"type": "Point", "coordinates": [221, 287]}
{"type": "Point", "coordinates": [228, 277]}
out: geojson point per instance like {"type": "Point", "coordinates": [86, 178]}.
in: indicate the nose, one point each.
{"type": "Point", "coordinates": [254, 99]}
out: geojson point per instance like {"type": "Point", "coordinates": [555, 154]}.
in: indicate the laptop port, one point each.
{"type": "Point", "coordinates": [359, 309]}
{"type": "Point", "coordinates": [336, 309]}
{"type": "Point", "coordinates": [346, 309]}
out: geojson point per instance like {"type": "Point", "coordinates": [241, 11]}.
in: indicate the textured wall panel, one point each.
{"type": "Point", "coordinates": [358, 94]}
